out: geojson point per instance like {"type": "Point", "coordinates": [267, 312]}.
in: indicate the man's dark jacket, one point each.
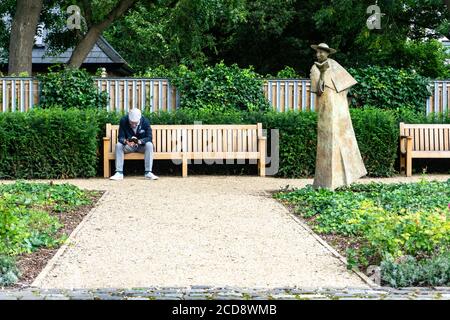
{"type": "Point", "coordinates": [143, 132]}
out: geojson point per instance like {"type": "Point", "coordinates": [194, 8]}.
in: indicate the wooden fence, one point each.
{"type": "Point", "coordinates": [439, 100]}
{"type": "Point", "coordinates": [21, 94]}
{"type": "Point", "coordinates": [285, 95]}
{"type": "Point", "coordinates": [18, 94]}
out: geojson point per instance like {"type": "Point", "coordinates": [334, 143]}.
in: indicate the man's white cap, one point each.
{"type": "Point", "coordinates": [134, 115]}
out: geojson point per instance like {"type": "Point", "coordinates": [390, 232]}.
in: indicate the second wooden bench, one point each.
{"type": "Point", "coordinates": [423, 141]}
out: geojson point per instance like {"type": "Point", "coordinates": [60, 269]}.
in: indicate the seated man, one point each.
{"type": "Point", "coordinates": [135, 135]}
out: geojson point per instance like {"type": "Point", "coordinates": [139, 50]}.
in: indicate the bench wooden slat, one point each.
{"type": "Point", "coordinates": [180, 140]}
{"type": "Point", "coordinates": [422, 138]}
{"type": "Point", "coordinates": [114, 137]}
{"type": "Point", "coordinates": [164, 141]}
{"type": "Point", "coordinates": [169, 141]}
{"type": "Point", "coordinates": [210, 141]}
{"type": "Point", "coordinates": [194, 140]}
{"type": "Point", "coordinates": [416, 139]}
{"type": "Point", "coordinates": [431, 154]}
{"type": "Point", "coordinates": [203, 126]}
{"type": "Point", "coordinates": [244, 140]}
{"type": "Point", "coordinates": [204, 140]}
{"type": "Point", "coordinates": [446, 139]}
{"type": "Point", "coordinates": [428, 126]}
{"type": "Point", "coordinates": [189, 140]}
{"type": "Point", "coordinates": [441, 139]}
{"type": "Point", "coordinates": [255, 138]}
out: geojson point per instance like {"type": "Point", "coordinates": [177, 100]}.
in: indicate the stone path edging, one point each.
{"type": "Point", "coordinates": [366, 279]}
{"type": "Point", "coordinates": [228, 293]}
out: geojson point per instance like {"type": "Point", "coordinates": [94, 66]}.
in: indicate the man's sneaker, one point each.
{"type": "Point", "coordinates": [117, 176]}
{"type": "Point", "coordinates": [150, 175]}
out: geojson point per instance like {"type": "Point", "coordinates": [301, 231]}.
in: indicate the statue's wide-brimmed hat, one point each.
{"type": "Point", "coordinates": [323, 46]}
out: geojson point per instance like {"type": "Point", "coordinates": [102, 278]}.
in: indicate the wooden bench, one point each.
{"type": "Point", "coordinates": [185, 142]}
{"type": "Point", "coordinates": [423, 141]}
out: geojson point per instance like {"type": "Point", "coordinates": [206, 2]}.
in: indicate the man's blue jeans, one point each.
{"type": "Point", "coordinates": [122, 149]}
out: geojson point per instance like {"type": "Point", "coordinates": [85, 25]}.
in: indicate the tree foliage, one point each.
{"type": "Point", "coordinates": [273, 34]}
{"type": "Point", "coordinates": [268, 35]}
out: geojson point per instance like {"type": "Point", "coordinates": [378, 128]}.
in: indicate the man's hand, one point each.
{"type": "Point", "coordinates": [131, 144]}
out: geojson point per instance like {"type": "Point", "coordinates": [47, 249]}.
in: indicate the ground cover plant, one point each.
{"type": "Point", "coordinates": [404, 227]}
{"type": "Point", "coordinates": [31, 217]}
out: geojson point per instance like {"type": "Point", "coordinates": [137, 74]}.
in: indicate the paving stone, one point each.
{"type": "Point", "coordinates": [56, 297]}
{"type": "Point", "coordinates": [208, 293]}
{"type": "Point", "coordinates": [105, 296]}
{"type": "Point", "coordinates": [8, 298]}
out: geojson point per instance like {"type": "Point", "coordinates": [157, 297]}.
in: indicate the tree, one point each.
{"type": "Point", "coordinates": [173, 32]}
{"type": "Point", "coordinates": [95, 30]}
{"type": "Point", "coordinates": [23, 30]}
{"type": "Point", "coordinates": [272, 34]}
{"type": "Point", "coordinates": [99, 15]}
{"type": "Point", "coordinates": [269, 34]}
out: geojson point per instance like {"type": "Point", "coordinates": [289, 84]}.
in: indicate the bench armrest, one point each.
{"type": "Point", "coordinates": [106, 139]}
{"type": "Point", "coordinates": [405, 144]}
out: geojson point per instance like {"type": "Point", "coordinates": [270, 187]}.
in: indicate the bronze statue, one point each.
{"type": "Point", "coordinates": [338, 160]}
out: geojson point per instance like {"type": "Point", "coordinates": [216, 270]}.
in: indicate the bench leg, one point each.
{"type": "Point", "coordinates": [262, 158]}
{"type": "Point", "coordinates": [184, 168]}
{"type": "Point", "coordinates": [262, 168]}
{"type": "Point", "coordinates": [106, 168]}
{"type": "Point", "coordinates": [402, 163]}
{"type": "Point", "coordinates": [409, 149]}
{"type": "Point", "coordinates": [408, 165]}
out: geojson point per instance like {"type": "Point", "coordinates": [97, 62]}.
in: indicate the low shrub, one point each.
{"type": "Point", "coordinates": [68, 88]}
{"type": "Point", "coordinates": [409, 271]}
{"type": "Point", "coordinates": [220, 87]}
{"type": "Point", "coordinates": [9, 273]}
{"type": "Point", "coordinates": [389, 88]}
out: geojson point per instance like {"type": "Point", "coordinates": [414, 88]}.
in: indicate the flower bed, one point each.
{"type": "Point", "coordinates": [403, 228]}
{"type": "Point", "coordinates": [35, 219]}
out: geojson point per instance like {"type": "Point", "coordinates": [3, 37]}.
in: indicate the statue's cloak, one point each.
{"type": "Point", "coordinates": [336, 77]}
{"type": "Point", "coordinates": [338, 159]}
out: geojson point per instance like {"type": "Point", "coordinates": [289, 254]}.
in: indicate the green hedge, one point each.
{"type": "Point", "coordinates": [389, 88]}
{"type": "Point", "coordinates": [48, 144]}
{"type": "Point", "coordinates": [69, 87]}
{"type": "Point", "coordinates": [218, 87]}
{"type": "Point", "coordinates": [66, 144]}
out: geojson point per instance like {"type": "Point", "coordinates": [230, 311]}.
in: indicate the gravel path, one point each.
{"type": "Point", "coordinates": [201, 230]}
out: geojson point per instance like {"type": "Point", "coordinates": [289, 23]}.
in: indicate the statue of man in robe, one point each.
{"type": "Point", "coordinates": [338, 160]}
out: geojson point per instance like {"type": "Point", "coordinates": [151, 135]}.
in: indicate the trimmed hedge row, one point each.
{"type": "Point", "coordinates": [66, 144]}
{"type": "Point", "coordinates": [48, 144]}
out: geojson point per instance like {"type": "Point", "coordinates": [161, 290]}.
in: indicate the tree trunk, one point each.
{"type": "Point", "coordinates": [87, 43]}
{"type": "Point", "coordinates": [21, 41]}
